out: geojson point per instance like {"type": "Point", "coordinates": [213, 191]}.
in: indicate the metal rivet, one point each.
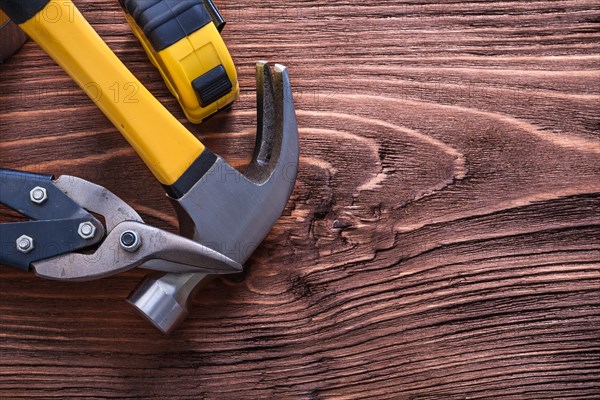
{"type": "Point", "coordinates": [130, 241]}
{"type": "Point", "coordinates": [86, 230]}
{"type": "Point", "coordinates": [25, 244]}
{"type": "Point", "coordinates": [38, 195]}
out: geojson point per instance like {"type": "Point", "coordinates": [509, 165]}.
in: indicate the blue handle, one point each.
{"type": "Point", "coordinates": [56, 220]}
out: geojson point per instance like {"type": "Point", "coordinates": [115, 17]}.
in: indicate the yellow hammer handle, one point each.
{"type": "Point", "coordinates": [164, 144]}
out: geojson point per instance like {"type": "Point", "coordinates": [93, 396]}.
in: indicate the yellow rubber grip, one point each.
{"type": "Point", "coordinates": [164, 144]}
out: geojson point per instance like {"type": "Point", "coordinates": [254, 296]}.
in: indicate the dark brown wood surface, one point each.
{"type": "Point", "coordinates": [442, 241]}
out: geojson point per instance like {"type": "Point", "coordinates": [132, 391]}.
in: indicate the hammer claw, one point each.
{"type": "Point", "coordinates": [230, 212]}
{"type": "Point", "coordinates": [263, 148]}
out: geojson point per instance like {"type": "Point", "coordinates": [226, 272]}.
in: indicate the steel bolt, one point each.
{"type": "Point", "coordinates": [38, 195]}
{"type": "Point", "coordinates": [130, 241]}
{"type": "Point", "coordinates": [25, 244]}
{"type": "Point", "coordinates": [86, 230]}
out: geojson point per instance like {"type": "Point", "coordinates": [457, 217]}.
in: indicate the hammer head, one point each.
{"type": "Point", "coordinates": [228, 211]}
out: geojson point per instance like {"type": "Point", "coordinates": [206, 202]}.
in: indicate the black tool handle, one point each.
{"type": "Point", "coordinates": [15, 192]}
{"type": "Point", "coordinates": [45, 239]}
{"type": "Point", "coordinates": [22, 10]}
{"type": "Point", "coordinates": [56, 220]}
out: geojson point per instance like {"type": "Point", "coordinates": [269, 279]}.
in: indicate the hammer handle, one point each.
{"type": "Point", "coordinates": [162, 142]}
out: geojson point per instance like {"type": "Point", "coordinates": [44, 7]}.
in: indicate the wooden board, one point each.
{"type": "Point", "coordinates": [442, 240]}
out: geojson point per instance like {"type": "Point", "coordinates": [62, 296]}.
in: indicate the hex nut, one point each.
{"type": "Point", "coordinates": [38, 195]}
{"type": "Point", "coordinates": [130, 241]}
{"type": "Point", "coordinates": [86, 230]}
{"type": "Point", "coordinates": [25, 244]}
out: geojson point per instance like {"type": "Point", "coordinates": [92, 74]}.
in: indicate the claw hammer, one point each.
{"type": "Point", "coordinates": [216, 205]}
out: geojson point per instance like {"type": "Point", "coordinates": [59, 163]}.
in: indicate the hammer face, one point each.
{"type": "Point", "coordinates": [228, 211]}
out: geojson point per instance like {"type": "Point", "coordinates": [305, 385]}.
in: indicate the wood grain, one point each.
{"type": "Point", "coordinates": [442, 241]}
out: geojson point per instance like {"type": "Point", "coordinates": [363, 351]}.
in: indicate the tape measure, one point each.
{"type": "Point", "coordinates": [182, 39]}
